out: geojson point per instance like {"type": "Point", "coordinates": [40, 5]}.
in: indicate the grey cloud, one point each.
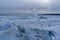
{"type": "Point", "coordinates": [8, 5]}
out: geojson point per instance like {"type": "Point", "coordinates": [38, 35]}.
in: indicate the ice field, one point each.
{"type": "Point", "coordinates": [8, 25]}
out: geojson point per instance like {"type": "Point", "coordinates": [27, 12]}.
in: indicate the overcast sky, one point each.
{"type": "Point", "coordinates": [29, 5]}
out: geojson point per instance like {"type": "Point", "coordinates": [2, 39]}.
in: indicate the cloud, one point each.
{"type": "Point", "coordinates": [18, 5]}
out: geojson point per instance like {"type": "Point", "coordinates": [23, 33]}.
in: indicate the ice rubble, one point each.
{"type": "Point", "coordinates": [50, 22]}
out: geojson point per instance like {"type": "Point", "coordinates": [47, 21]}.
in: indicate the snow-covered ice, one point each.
{"type": "Point", "coordinates": [8, 25]}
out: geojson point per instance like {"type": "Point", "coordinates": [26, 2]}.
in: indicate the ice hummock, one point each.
{"type": "Point", "coordinates": [52, 22]}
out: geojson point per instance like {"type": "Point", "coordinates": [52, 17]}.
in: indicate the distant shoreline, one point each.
{"type": "Point", "coordinates": [20, 14]}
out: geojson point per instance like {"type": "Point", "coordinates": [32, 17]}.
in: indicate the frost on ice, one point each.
{"type": "Point", "coordinates": [29, 27]}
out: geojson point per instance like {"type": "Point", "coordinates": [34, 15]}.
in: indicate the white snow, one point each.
{"type": "Point", "coordinates": [49, 22]}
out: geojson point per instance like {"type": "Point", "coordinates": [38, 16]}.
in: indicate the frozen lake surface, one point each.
{"type": "Point", "coordinates": [48, 22]}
